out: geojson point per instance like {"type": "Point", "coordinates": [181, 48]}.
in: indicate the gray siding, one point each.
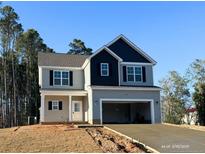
{"type": "Point", "coordinates": [149, 76]}
{"type": "Point", "coordinates": [125, 94]}
{"type": "Point", "coordinates": [78, 80]}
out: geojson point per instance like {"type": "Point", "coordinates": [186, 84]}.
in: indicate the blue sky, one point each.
{"type": "Point", "coordinates": [172, 33]}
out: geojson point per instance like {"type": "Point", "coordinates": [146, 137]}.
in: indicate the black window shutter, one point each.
{"type": "Point", "coordinates": [143, 74]}
{"type": "Point", "coordinates": [110, 69]}
{"type": "Point", "coordinates": [124, 74]}
{"type": "Point", "coordinates": [51, 77]}
{"type": "Point", "coordinates": [99, 69]}
{"type": "Point", "coordinates": [71, 78]}
{"type": "Point", "coordinates": [50, 105]}
{"type": "Point", "coordinates": [60, 105]}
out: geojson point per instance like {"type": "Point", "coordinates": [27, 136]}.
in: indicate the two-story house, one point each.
{"type": "Point", "coordinates": [113, 85]}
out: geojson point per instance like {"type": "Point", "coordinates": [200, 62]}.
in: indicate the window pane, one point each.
{"type": "Point", "coordinates": [138, 78]}
{"type": "Point", "coordinates": [57, 74]}
{"type": "Point", "coordinates": [104, 72]}
{"type": "Point", "coordinates": [55, 103]}
{"type": "Point", "coordinates": [77, 107]}
{"type": "Point", "coordinates": [130, 70]}
{"type": "Point", "coordinates": [64, 81]}
{"type": "Point", "coordinates": [55, 107]}
{"type": "Point", "coordinates": [57, 81]}
{"type": "Point", "coordinates": [137, 70]}
{"type": "Point", "coordinates": [64, 74]}
{"type": "Point", "coordinates": [130, 78]}
{"type": "Point", "coordinates": [104, 66]}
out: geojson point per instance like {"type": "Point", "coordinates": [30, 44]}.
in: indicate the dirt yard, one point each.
{"type": "Point", "coordinates": [47, 138]}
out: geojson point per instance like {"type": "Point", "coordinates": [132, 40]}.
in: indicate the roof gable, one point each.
{"type": "Point", "coordinates": [128, 51]}
{"type": "Point", "coordinates": [108, 50]}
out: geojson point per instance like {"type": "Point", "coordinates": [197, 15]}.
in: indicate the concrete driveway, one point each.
{"type": "Point", "coordinates": [164, 138]}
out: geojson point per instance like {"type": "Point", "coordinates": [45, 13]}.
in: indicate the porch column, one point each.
{"type": "Point", "coordinates": [152, 111]}
{"type": "Point", "coordinates": [70, 108]}
{"type": "Point", "coordinates": [42, 108]}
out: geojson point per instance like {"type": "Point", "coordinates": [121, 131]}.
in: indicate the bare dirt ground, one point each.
{"type": "Point", "coordinates": [114, 143]}
{"type": "Point", "coordinates": [46, 138]}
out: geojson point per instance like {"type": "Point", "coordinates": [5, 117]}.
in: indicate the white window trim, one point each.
{"type": "Point", "coordinates": [56, 101]}
{"type": "Point", "coordinates": [101, 70]}
{"type": "Point", "coordinates": [61, 78]}
{"type": "Point", "coordinates": [134, 73]}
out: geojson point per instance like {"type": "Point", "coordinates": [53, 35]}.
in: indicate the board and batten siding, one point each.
{"type": "Point", "coordinates": [148, 75]}
{"type": "Point", "coordinates": [126, 52]}
{"type": "Point", "coordinates": [96, 78]}
{"type": "Point", "coordinates": [78, 79]}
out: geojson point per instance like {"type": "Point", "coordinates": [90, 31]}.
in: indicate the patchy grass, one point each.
{"type": "Point", "coordinates": [46, 138]}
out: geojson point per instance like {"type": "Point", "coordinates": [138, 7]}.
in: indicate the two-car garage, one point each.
{"type": "Point", "coordinates": [125, 105]}
{"type": "Point", "coordinates": [127, 111]}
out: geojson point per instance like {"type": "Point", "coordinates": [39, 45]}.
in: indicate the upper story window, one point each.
{"type": "Point", "coordinates": [134, 73]}
{"type": "Point", "coordinates": [104, 69]}
{"type": "Point", "coordinates": [61, 78]}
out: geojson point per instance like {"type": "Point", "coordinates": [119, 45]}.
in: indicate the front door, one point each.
{"type": "Point", "coordinates": [77, 110]}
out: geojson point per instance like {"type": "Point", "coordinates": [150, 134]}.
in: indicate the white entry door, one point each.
{"type": "Point", "coordinates": [77, 110]}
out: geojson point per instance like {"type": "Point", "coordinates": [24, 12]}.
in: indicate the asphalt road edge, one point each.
{"type": "Point", "coordinates": [133, 140]}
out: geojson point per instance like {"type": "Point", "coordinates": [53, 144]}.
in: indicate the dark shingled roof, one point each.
{"type": "Point", "coordinates": [61, 59]}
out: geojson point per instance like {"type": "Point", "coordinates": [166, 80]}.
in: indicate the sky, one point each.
{"type": "Point", "coordinates": [172, 33]}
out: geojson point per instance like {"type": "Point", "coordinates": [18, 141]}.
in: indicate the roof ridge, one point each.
{"type": "Point", "coordinates": [59, 53]}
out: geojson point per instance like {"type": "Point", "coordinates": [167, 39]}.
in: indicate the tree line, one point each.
{"type": "Point", "coordinates": [181, 92]}
{"type": "Point", "coordinates": [19, 88]}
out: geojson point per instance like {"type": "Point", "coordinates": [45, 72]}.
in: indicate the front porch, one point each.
{"type": "Point", "coordinates": [64, 106]}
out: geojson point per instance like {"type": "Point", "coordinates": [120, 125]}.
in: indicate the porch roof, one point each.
{"type": "Point", "coordinates": [63, 92]}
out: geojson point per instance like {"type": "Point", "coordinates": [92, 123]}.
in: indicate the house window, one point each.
{"type": "Point", "coordinates": [130, 73]}
{"type": "Point", "coordinates": [104, 67]}
{"type": "Point", "coordinates": [61, 78]}
{"type": "Point", "coordinates": [55, 105]}
{"type": "Point", "coordinates": [134, 73]}
{"type": "Point", "coordinates": [57, 78]}
{"type": "Point", "coordinates": [77, 107]}
{"type": "Point", "coordinates": [138, 74]}
{"type": "Point", "coordinates": [64, 78]}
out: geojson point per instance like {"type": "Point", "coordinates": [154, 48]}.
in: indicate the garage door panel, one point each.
{"type": "Point", "coordinates": [116, 113]}
{"type": "Point", "coordinates": [121, 112]}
